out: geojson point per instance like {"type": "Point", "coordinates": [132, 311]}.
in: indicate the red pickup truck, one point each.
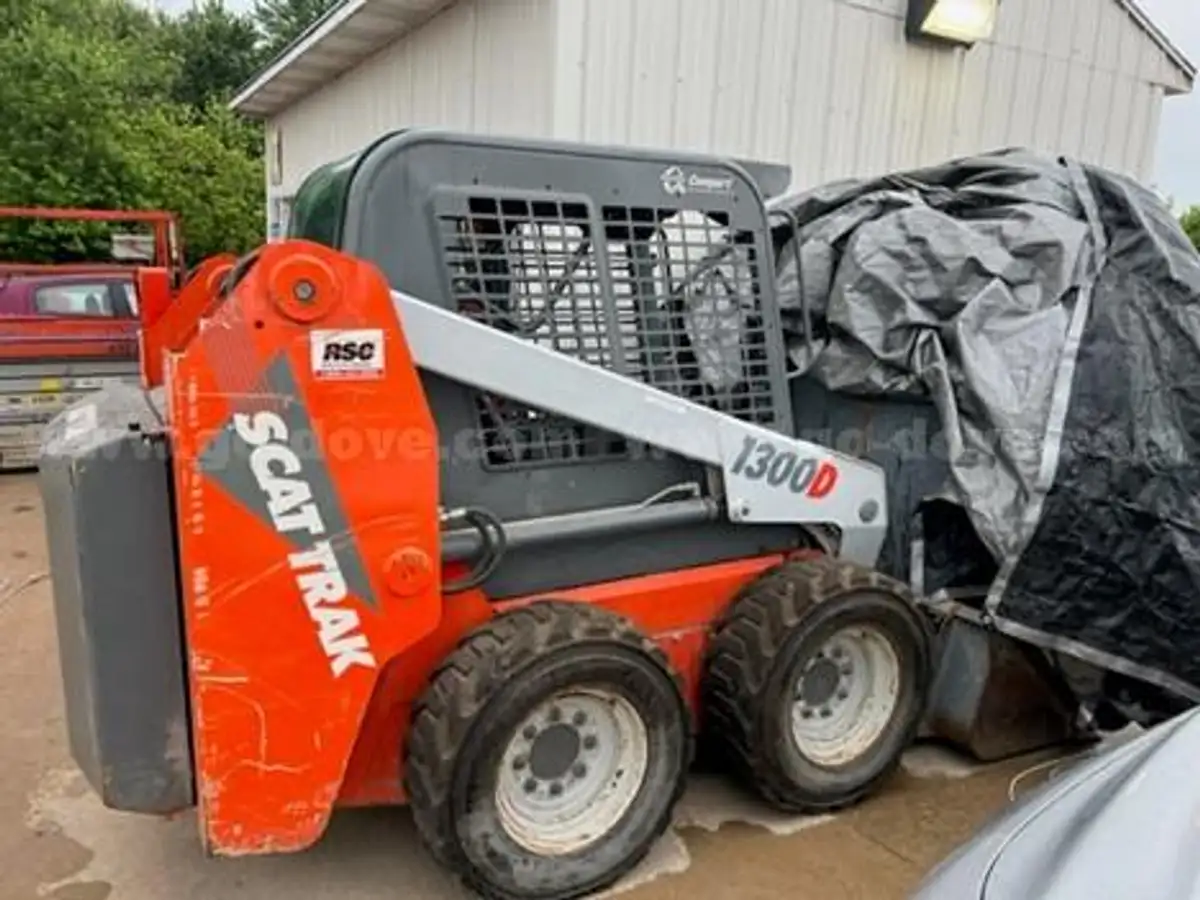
{"type": "Point", "coordinates": [50, 316]}
{"type": "Point", "coordinates": [108, 295]}
{"type": "Point", "coordinates": [67, 329]}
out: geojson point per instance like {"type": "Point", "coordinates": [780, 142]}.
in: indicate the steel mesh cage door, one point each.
{"type": "Point", "coordinates": [674, 297]}
{"type": "Point", "coordinates": [527, 265]}
{"type": "Point", "coordinates": [689, 290]}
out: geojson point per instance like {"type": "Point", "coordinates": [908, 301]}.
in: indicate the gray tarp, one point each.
{"type": "Point", "coordinates": [1051, 314]}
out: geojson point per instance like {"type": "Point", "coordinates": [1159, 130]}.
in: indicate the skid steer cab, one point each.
{"type": "Point", "coordinates": [480, 493]}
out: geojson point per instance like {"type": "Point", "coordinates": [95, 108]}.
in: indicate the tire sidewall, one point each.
{"type": "Point", "coordinates": [904, 630]}
{"type": "Point", "coordinates": [481, 845]}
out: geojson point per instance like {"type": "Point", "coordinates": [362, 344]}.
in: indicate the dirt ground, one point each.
{"type": "Point", "coordinates": [57, 842]}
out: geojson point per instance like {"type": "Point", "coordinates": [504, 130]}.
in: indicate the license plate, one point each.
{"type": "Point", "coordinates": [23, 400]}
{"type": "Point", "coordinates": [91, 384]}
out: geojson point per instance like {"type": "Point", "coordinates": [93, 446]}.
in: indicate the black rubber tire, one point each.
{"type": "Point", "coordinates": [483, 690]}
{"type": "Point", "coordinates": [759, 648]}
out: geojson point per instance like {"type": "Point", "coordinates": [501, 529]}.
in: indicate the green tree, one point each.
{"type": "Point", "coordinates": [93, 118]}
{"type": "Point", "coordinates": [62, 93]}
{"type": "Point", "coordinates": [1191, 225]}
{"type": "Point", "coordinates": [282, 21]}
{"type": "Point", "coordinates": [216, 51]}
{"type": "Point", "coordinates": [115, 19]}
{"type": "Point", "coordinates": [197, 167]}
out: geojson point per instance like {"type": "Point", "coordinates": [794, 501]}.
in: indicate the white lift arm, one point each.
{"type": "Point", "coordinates": [768, 477]}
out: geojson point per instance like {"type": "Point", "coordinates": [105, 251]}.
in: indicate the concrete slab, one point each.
{"type": "Point", "coordinates": [58, 842]}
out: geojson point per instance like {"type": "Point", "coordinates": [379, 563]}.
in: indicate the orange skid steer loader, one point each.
{"type": "Point", "coordinates": [479, 494]}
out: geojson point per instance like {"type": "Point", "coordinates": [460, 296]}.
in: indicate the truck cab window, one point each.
{"type": "Point", "coordinates": [84, 299]}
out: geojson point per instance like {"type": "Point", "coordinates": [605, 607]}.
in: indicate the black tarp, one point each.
{"type": "Point", "coordinates": [1048, 314]}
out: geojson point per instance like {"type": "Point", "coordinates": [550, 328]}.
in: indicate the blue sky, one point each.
{"type": "Point", "coordinates": [1177, 172]}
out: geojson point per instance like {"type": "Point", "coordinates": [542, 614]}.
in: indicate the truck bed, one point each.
{"type": "Point", "coordinates": [46, 363]}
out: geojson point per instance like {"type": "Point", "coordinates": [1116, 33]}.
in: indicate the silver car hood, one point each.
{"type": "Point", "coordinates": [1125, 824]}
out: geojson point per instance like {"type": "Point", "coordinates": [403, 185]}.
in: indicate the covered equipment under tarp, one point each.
{"type": "Point", "coordinates": [1018, 339]}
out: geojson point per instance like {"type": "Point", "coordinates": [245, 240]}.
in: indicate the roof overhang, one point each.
{"type": "Point", "coordinates": [353, 30]}
{"type": "Point", "coordinates": [1179, 59]}
{"type": "Point", "coordinates": [341, 39]}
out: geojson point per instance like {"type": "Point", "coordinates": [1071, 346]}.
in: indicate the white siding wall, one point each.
{"type": "Point", "coordinates": [482, 65]}
{"type": "Point", "coordinates": [829, 86]}
{"type": "Point", "coordinates": [833, 88]}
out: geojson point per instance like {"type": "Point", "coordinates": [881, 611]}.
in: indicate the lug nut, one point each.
{"type": "Point", "coordinates": [556, 789]}
{"type": "Point", "coordinates": [806, 713]}
{"type": "Point", "coordinates": [529, 733]}
{"type": "Point", "coordinates": [519, 763]}
{"type": "Point", "coordinates": [555, 714]}
{"type": "Point", "coordinates": [837, 653]}
{"type": "Point", "coordinates": [590, 742]}
{"type": "Point", "coordinates": [826, 713]}
{"type": "Point", "coordinates": [842, 695]}
{"type": "Point", "coordinates": [847, 669]}
{"type": "Point", "coordinates": [579, 770]}
{"type": "Point", "coordinates": [579, 719]}
{"type": "Point", "coordinates": [530, 786]}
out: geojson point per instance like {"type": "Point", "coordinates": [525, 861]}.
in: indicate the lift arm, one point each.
{"type": "Point", "coordinates": [768, 477]}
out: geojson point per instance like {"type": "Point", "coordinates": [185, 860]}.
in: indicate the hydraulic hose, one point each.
{"type": "Point", "coordinates": [494, 541]}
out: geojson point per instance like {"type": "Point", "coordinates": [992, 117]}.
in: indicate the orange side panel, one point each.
{"type": "Point", "coordinates": [676, 608]}
{"type": "Point", "coordinates": [153, 292]}
{"type": "Point", "coordinates": [40, 338]}
{"type": "Point", "coordinates": [306, 485]}
{"type": "Point", "coordinates": [168, 325]}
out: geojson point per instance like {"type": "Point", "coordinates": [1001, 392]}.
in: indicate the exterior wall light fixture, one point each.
{"type": "Point", "coordinates": [960, 23]}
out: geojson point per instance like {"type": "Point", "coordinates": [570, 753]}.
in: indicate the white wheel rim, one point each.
{"type": "Point", "coordinates": [845, 696]}
{"type": "Point", "coordinates": [552, 801]}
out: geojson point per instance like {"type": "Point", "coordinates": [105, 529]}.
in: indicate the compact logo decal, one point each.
{"type": "Point", "coordinates": [279, 474]}
{"type": "Point", "coordinates": [676, 182]}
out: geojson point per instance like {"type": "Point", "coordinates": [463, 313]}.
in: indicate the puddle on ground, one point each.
{"type": "Point", "coordinates": [366, 854]}
{"type": "Point", "coordinates": [937, 761]}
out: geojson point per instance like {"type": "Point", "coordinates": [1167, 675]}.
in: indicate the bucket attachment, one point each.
{"type": "Point", "coordinates": [994, 697]}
